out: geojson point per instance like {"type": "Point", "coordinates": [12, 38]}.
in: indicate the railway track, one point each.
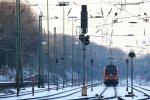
{"type": "Point", "coordinates": [141, 87]}
{"type": "Point", "coordinates": [142, 90]}
{"type": "Point", "coordinates": [62, 94]}
{"type": "Point", "coordinates": [22, 93]}
{"type": "Point", "coordinates": [100, 96]}
{"type": "Point", "coordinates": [50, 96]}
{"type": "Point", "coordinates": [59, 95]}
{"type": "Point", "coordinates": [145, 94]}
{"type": "Point", "coordinates": [103, 97]}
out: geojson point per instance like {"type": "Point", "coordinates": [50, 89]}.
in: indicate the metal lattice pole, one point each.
{"type": "Point", "coordinates": [64, 40]}
{"type": "Point", "coordinates": [55, 79]}
{"type": "Point", "coordinates": [40, 79]}
{"type": "Point", "coordinates": [55, 57]}
{"type": "Point", "coordinates": [18, 44]}
{"type": "Point", "coordinates": [48, 45]}
{"type": "Point", "coordinates": [73, 63]}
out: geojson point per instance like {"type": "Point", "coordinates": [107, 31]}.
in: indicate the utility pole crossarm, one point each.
{"type": "Point", "coordinates": [63, 4]}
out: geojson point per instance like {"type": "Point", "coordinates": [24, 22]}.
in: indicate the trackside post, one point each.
{"type": "Point", "coordinates": [33, 81]}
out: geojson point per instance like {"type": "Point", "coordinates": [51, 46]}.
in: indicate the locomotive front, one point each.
{"type": "Point", "coordinates": [111, 75]}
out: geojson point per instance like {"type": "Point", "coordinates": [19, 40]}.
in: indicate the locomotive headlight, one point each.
{"type": "Point", "coordinates": [106, 78]}
{"type": "Point", "coordinates": [115, 78]}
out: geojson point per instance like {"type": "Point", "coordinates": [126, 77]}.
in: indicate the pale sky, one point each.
{"type": "Point", "coordinates": [103, 28]}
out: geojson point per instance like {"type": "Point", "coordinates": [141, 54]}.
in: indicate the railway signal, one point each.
{"type": "Point", "coordinates": [131, 55]}
{"type": "Point", "coordinates": [84, 19]}
{"type": "Point", "coordinates": [84, 26]}
{"type": "Point", "coordinates": [86, 42]}
{"type": "Point", "coordinates": [84, 39]}
{"type": "Point", "coordinates": [81, 37]}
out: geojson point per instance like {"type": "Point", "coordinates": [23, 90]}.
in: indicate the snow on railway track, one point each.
{"type": "Point", "coordinates": [140, 93]}
{"type": "Point", "coordinates": [108, 93]}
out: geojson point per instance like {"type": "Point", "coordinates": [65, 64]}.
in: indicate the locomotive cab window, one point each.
{"type": "Point", "coordinates": [111, 72]}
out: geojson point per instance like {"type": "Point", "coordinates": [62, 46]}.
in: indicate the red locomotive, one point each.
{"type": "Point", "coordinates": [111, 75]}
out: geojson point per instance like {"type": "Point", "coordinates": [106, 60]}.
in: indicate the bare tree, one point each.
{"type": "Point", "coordinates": [29, 31]}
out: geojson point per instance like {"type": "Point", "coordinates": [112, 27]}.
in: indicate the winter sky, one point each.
{"type": "Point", "coordinates": [130, 20]}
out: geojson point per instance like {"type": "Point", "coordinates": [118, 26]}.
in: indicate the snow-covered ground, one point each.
{"type": "Point", "coordinates": [121, 92]}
